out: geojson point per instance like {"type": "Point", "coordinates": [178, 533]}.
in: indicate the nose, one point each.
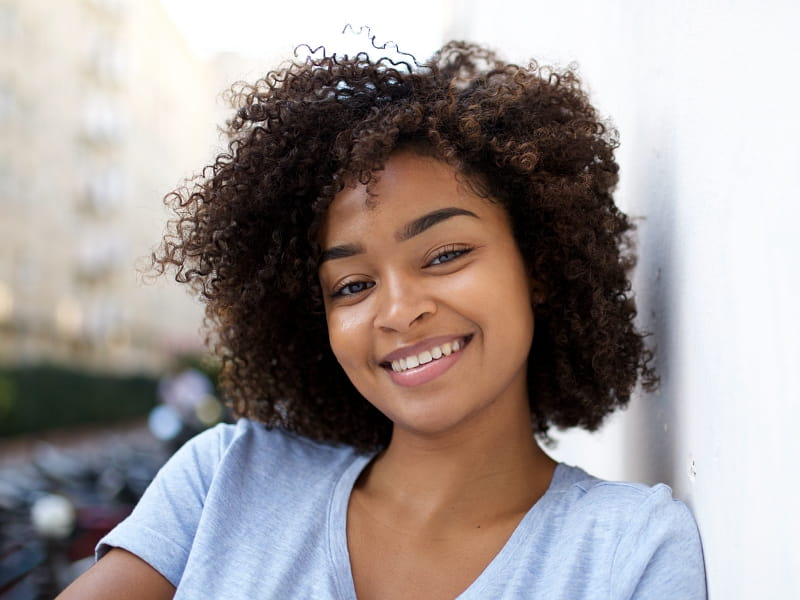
{"type": "Point", "coordinates": [402, 302]}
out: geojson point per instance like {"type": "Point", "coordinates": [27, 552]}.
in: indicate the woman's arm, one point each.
{"type": "Point", "coordinates": [119, 575]}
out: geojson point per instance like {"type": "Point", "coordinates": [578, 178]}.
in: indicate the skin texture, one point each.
{"type": "Point", "coordinates": [119, 575]}
{"type": "Point", "coordinates": [462, 467]}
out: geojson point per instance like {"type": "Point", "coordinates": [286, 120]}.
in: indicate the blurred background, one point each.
{"type": "Point", "coordinates": [106, 105]}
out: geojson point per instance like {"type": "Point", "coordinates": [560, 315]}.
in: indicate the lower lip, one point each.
{"type": "Point", "coordinates": [427, 372]}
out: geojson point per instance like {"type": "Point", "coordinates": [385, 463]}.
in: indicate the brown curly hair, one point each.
{"type": "Point", "coordinates": [244, 236]}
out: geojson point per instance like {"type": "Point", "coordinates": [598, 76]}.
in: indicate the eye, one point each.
{"type": "Point", "coordinates": [448, 254]}
{"type": "Point", "coordinates": [352, 288]}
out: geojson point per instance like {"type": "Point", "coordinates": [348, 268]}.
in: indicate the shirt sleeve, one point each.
{"type": "Point", "coordinates": [161, 528]}
{"type": "Point", "coordinates": [660, 554]}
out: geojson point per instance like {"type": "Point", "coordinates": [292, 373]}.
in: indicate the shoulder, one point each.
{"type": "Point", "coordinates": [222, 482]}
{"type": "Point", "coordinates": [232, 463]}
{"type": "Point", "coordinates": [619, 507]}
{"type": "Point", "coordinates": [248, 439]}
{"type": "Point", "coordinates": [651, 538]}
{"type": "Point", "coordinates": [581, 491]}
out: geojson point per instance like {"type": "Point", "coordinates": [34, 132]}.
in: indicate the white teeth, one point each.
{"type": "Point", "coordinates": [426, 356]}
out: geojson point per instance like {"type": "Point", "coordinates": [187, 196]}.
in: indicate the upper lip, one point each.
{"type": "Point", "coordinates": [415, 349]}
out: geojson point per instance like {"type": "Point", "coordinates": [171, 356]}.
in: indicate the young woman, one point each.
{"type": "Point", "coordinates": [411, 271]}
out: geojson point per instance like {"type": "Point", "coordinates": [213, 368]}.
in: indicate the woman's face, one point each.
{"type": "Point", "coordinates": [427, 297]}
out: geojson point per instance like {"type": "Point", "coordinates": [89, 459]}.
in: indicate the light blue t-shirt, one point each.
{"type": "Point", "coordinates": [241, 512]}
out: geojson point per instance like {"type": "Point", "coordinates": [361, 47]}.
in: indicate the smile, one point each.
{"type": "Point", "coordinates": [426, 356]}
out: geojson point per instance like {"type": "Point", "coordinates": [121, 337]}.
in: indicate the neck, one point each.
{"type": "Point", "coordinates": [465, 473]}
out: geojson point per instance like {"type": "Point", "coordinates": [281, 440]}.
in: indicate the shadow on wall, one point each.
{"type": "Point", "coordinates": [652, 454]}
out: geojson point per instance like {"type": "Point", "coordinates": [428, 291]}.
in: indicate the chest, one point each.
{"type": "Point", "coordinates": [390, 561]}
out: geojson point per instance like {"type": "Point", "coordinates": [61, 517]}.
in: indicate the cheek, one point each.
{"type": "Point", "coordinates": [500, 292]}
{"type": "Point", "coordinates": [507, 302]}
{"type": "Point", "coordinates": [346, 335]}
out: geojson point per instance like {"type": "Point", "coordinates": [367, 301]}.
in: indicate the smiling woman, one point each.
{"type": "Point", "coordinates": [433, 265]}
{"type": "Point", "coordinates": [410, 271]}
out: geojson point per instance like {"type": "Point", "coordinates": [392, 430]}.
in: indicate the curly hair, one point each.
{"type": "Point", "coordinates": [244, 234]}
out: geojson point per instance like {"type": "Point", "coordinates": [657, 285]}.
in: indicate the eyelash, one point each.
{"type": "Point", "coordinates": [455, 251]}
{"type": "Point", "coordinates": [340, 290]}
{"type": "Point", "coordinates": [458, 251]}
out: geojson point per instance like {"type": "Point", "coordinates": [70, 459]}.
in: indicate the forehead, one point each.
{"type": "Point", "coordinates": [408, 186]}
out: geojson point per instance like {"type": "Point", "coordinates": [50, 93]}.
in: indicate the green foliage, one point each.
{"type": "Point", "coordinates": [8, 396]}
{"type": "Point", "coordinates": [43, 397]}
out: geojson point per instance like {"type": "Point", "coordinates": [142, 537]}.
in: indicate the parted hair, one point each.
{"type": "Point", "coordinates": [244, 232]}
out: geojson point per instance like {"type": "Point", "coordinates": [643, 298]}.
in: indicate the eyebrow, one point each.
{"type": "Point", "coordinates": [427, 221]}
{"type": "Point", "coordinates": [410, 230]}
{"type": "Point", "coordinates": [343, 251]}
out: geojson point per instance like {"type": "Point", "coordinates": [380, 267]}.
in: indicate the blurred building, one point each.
{"type": "Point", "coordinates": [100, 117]}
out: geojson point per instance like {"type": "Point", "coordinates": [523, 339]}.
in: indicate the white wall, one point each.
{"type": "Point", "coordinates": [706, 98]}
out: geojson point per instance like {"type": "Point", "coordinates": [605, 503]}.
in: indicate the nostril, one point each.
{"type": "Point", "coordinates": [420, 316]}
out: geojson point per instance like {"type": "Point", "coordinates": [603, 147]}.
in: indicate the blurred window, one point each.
{"type": "Point", "coordinates": [9, 23]}
{"type": "Point", "coordinates": [104, 191]}
{"type": "Point", "coordinates": [99, 254]}
{"type": "Point", "coordinates": [8, 103]}
{"type": "Point", "coordinates": [106, 59]}
{"type": "Point", "coordinates": [9, 185]}
{"type": "Point", "coordinates": [102, 122]}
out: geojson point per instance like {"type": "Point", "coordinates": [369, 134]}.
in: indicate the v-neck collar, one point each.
{"type": "Point", "coordinates": [340, 555]}
{"type": "Point", "coordinates": [337, 527]}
